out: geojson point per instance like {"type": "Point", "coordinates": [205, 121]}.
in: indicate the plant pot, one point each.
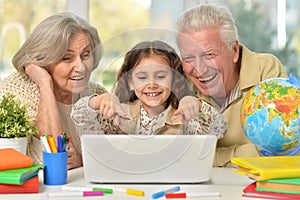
{"type": "Point", "coordinates": [20, 144]}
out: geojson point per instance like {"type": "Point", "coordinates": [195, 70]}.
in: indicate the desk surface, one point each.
{"type": "Point", "coordinates": [224, 180]}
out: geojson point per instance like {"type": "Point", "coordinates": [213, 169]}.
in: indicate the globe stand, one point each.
{"type": "Point", "coordinates": [294, 152]}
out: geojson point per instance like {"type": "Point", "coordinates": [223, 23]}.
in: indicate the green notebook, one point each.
{"type": "Point", "coordinates": [284, 185]}
{"type": "Point", "coordinates": [295, 181]}
{"type": "Point", "coordinates": [277, 190]}
{"type": "Point", "coordinates": [20, 175]}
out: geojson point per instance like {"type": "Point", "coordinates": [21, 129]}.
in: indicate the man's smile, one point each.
{"type": "Point", "coordinates": [207, 79]}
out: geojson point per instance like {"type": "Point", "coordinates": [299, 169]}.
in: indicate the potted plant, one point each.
{"type": "Point", "coordinates": [15, 127]}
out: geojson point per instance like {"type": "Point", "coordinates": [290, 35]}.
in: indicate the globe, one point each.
{"type": "Point", "coordinates": [270, 116]}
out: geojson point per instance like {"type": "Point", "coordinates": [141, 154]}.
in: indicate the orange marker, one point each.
{"type": "Point", "coordinates": [52, 144]}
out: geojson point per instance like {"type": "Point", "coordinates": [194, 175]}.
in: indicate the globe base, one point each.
{"type": "Point", "coordinates": [294, 152]}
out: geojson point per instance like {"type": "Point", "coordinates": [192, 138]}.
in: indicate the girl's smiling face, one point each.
{"type": "Point", "coordinates": [151, 81]}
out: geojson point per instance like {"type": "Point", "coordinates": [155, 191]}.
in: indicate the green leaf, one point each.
{"type": "Point", "coordinates": [14, 120]}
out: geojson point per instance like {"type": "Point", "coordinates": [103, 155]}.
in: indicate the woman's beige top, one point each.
{"type": "Point", "coordinates": [27, 92]}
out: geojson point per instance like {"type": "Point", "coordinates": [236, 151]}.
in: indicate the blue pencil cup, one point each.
{"type": "Point", "coordinates": [55, 168]}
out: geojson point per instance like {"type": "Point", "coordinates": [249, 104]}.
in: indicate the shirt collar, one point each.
{"type": "Point", "coordinates": [231, 97]}
{"type": "Point", "coordinates": [248, 76]}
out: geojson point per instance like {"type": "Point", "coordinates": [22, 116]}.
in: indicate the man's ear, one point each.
{"type": "Point", "coordinates": [236, 52]}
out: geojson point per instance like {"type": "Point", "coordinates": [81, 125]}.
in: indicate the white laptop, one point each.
{"type": "Point", "coordinates": [148, 159]}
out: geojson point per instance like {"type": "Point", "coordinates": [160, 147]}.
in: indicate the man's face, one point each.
{"type": "Point", "coordinates": [207, 61]}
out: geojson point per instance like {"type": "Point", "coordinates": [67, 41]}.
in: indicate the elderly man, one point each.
{"type": "Point", "coordinates": [222, 71]}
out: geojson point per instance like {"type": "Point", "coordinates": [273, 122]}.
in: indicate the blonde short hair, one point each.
{"type": "Point", "coordinates": [50, 39]}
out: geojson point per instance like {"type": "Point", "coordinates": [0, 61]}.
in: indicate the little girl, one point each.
{"type": "Point", "coordinates": [151, 96]}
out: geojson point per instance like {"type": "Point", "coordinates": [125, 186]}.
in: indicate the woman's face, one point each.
{"type": "Point", "coordinates": [151, 80]}
{"type": "Point", "coordinates": [72, 73]}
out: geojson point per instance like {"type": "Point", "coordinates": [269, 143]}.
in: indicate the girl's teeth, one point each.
{"type": "Point", "coordinates": [152, 95]}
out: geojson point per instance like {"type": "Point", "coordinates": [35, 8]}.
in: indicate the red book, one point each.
{"type": "Point", "coordinates": [29, 186]}
{"type": "Point", "coordinates": [250, 191]}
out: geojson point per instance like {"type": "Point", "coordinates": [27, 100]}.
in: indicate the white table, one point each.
{"type": "Point", "coordinates": [228, 183]}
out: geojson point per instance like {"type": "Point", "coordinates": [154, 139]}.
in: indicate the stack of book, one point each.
{"type": "Point", "coordinates": [274, 177]}
{"type": "Point", "coordinates": [18, 173]}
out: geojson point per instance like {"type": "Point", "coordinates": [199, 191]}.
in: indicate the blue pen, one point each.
{"type": "Point", "coordinates": [59, 144]}
{"type": "Point", "coordinates": [162, 193]}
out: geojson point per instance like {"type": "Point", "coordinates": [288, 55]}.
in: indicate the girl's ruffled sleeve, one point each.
{"type": "Point", "coordinates": [90, 121]}
{"type": "Point", "coordinates": [209, 121]}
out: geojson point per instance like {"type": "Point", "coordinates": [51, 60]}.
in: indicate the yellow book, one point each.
{"type": "Point", "coordinates": [269, 167]}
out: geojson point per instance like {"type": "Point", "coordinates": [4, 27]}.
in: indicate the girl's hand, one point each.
{"type": "Point", "coordinates": [39, 75]}
{"type": "Point", "coordinates": [74, 157]}
{"type": "Point", "coordinates": [189, 107]}
{"type": "Point", "coordinates": [109, 105]}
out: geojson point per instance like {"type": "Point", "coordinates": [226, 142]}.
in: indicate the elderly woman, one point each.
{"type": "Point", "coordinates": [53, 72]}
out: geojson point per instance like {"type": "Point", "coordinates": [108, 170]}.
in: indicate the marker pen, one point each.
{"type": "Point", "coordinates": [62, 138]}
{"type": "Point", "coordinates": [162, 193]}
{"type": "Point", "coordinates": [65, 142]}
{"type": "Point", "coordinates": [130, 191]}
{"type": "Point", "coordinates": [192, 195]}
{"type": "Point", "coordinates": [81, 189]}
{"type": "Point", "coordinates": [59, 144]}
{"type": "Point", "coordinates": [45, 144]}
{"type": "Point", "coordinates": [75, 194]}
{"type": "Point", "coordinates": [52, 144]}
{"type": "Point", "coordinates": [105, 190]}
{"type": "Point", "coordinates": [75, 189]}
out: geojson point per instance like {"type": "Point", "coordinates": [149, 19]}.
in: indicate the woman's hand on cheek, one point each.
{"type": "Point", "coordinates": [188, 108]}
{"type": "Point", "coordinates": [74, 157]}
{"type": "Point", "coordinates": [39, 75]}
